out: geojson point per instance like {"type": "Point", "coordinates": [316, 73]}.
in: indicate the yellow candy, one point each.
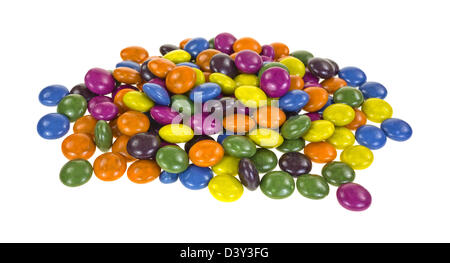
{"type": "Point", "coordinates": [246, 80]}
{"type": "Point", "coordinates": [229, 165]}
{"type": "Point", "coordinates": [295, 66]}
{"type": "Point", "coordinates": [178, 56]}
{"type": "Point", "coordinates": [226, 83]}
{"type": "Point", "coordinates": [358, 157]}
{"type": "Point", "coordinates": [266, 138]}
{"type": "Point", "coordinates": [138, 101]}
{"type": "Point", "coordinates": [225, 188]}
{"type": "Point", "coordinates": [251, 96]}
{"type": "Point", "coordinates": [377, 110]}
{"type": "Point", "coordinates": [342, 138]}
{"type": "Point", "coordinates": [176, 133]}
{"type": "Point", "coordinates": [339, 114]}
{"type": "Point", "coordinates": [200, 77]}
{"type": "Point", "coordinates": [320, 130]}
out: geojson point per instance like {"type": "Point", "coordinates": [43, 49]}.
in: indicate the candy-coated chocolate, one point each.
{"type": "Point", "coordinates": [321, 67]}
{"type": "Point", "coordinates": [295, 66]}
{"type": "Point", "coordinates": [176, 133]}
{"type": "Point", "coordinates": [248, 174]}
{"type": "Point", "coordinates": [238, 123]}
{"type": "Point", "coordinates": [157, 93]}
{"type": "Point", "coordinates": [99, 81]}
{"type": "Point", "coordinates": [337, 173]}
{"type": "Point", "coordinates": [268, 65]}
{"type": "Point", "coordinates": [370, 136]}
{"type": "Point", "coordinates": [396, 129]}
{"type": "Point", "coordinates": [129, 64]}
{"type": "Point", "coordinates": [251, 96]}
{"type": "Point", "coordinates": [168, 178]}
{"type": "Point", "coordinates": [138, 101]}
{"type": "Point", "coordinates": [295, 163]}
{"type": "Point", "coordinates": [222, 63]}
{"type": "Point", "coordinates": [353, 197]}
{"type": "Point", "coordinates": [350, 96]}
{"type": "Point", "coordinates": [226, 83]}
{"type": "Point", "coordinates": [318, 97]}
{"type": "Point", "coordinates": [181, 79]}
{"type": "Point", "coordinates": [204, 58]}
{"type": "Point", "coordinates": [228, 165]}
{"type": "Point", "coordinates": [266, 138]}
{"type": "Point", "coordinates": [269, 117]}
{"type": "Point", "coordinates": [120, 146]}
{"type": "Point", "coordinates": [146, 74]}
{"type": "Point", "coordinates": [224, 42]}
{"type": "Point", "coordinates": [103, 136]}
{"type": "Point", "coordinates": [225, 188]}
{"type": "Point", "coordinates": [268, 51]}
{"type": "Point", "coordinates": [109, 166]}
{"type": "Point", "coordinates": [280, 50]}
{"type": "Point", "coordinates": [143, 171]}
{"type": "Point", "coordinates": [354, 76]}
{"type": "Point", "coordinates": [320, 130]}
{"type": "Point", "coordinates": [166, 48]}
{"type": "Point", "coordinates": [312, 186]}
{"type": "Point", "coordinates": [248, 61]}
{"type": "Point", "coordinates": [76, 172]}
{"type": "Point", "coordinates": [373, 90]}
{"type": "Point", "coordinates": [143, 145]}
{"type": "Point", "coordinates": [52, 95]}
{"type": "Point", "coordinates": [359, 120]}
{"type": "Point", "coordinates": [295, 127]}
{"type": "Point", "coordinates": [195, 46]}
{"type": "Point", "coordinates": [303, 55]}
{"type": "Point", "coordinates": [342, 138]}
{"type": "Point", "coordinates": [206, 153]}
{"type": "Point", "coordinates": [99, 99]}
{"type": "Point", "coordinates": [294, 100]}
{"type": "Point", "coordinates": [172, 159]}
{"type": "Point", "coordinates": [82, 90]}
{"type": "Point", "coordinates": [320, 152]}
{"type": "Point", "coordinates": [194, 140]}
{"type": "Point", "coordinates": [78, 146]}
{"type": "Point", "coordinates": [339, 114]}
{"type": "Point", "coordinates": [134, 53]}
{"type": "Point", "coordinates": [293, 145]}
{"type": "Point", "coordinates": [204, 92]}
{"type": "Point", "coordinates": [246, 43]}
{"type": "Point", "coordinates": [178, 56]}
{"type": "Point", "coordinates": [275, 82]}
{"type": "Point", "coordinates": [132, 122]}
{"type": "Point", "coordinates": [277, 185]}
{"type": "Point", "coordinates": [357, 156]}
{"type": "Point", "coordinates": [53, 126]}
{"type": "Point", "coordinates": [160, 67]}
{"type": "Point", "coordinates": [377, 110]}
{"type": "Point", "coordinates": [85, 124]}
{"type": "Point", "coordinates": [333, 84]}
{"type": "Point", "coordinates": [196, 178]}
{"type": "Point", "coordinates": [264, 160]}
{"type": "Point", "coordinates": [239, 146]}
{"type": "Point", "coordinates": [105, 111]}
{"type": "Point", "coordinates": [73, 106]}
{"type": "Point", "coordinates": [297, 83]}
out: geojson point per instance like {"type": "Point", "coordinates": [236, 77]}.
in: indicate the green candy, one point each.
{"type": "Point", "coordinates": [293, 145]}
{"type": "Point", "coordinates": [239, 146]}
{"type": "Point", "coordinates": [337, 173]}
{"type": "Point", "coordinates": [172, 159]}
{"type": "Point", "coordinates": [103, 136]}
{"type": "Point", "coordinates": [303, 55]}
{"type": "Point", "coordinates": [76, 172]}
{"type": "Point", "coordinates": [182, 104]}
{"type": "Point", "coordinates": [73, 106]}
{"type": "Point", "coordinates": [348, 95]}
{"type": "Point", "coordinates": [295, 127]}
{"type": "Point", "coordinates": [211, 42]}
{"type": "Point", "coordinates": [271, 65]}
{"type": "Point", "coordinates": [277, 184]}
{"type": "Point", "coordinates": [265, 160]}
{"type": "Point", "coordinates": [312, 186]}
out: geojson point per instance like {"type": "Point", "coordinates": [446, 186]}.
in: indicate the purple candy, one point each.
{"type": "Point", "coordinates": [105, 111]}
{"type": "Point", "coordinates": [310, 78]}
{"type": "Point", "coordinates": [96, 100]}
{"type": "Point", "coordinates": [121, 87]}
{"type": "Point", "coordinates": [201, 124]}
{"type": "Point", "coordinates": [266, 59]}
{"type": "Point", "coordinates": [224, 43]}
{"type": "Point", "coordinates": [275, 82]}
{"type": "Point", "coordinates": [165, 115]}
{"type": "Point", "coordinates": [158, 81]}
{"type": "Point", "coordinates": [248, 61]}
{"type": "Point", "coordinates": [314, 116]}
{"type": "Point", "coordinates": [353, 197]}
{"type": "Point", "coordinates": [268, 51]}
{"type": "Point", "coordinates": [99, 81]}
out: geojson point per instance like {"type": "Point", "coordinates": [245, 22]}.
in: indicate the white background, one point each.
{"type": "Point", "coordinates": [402, 44]}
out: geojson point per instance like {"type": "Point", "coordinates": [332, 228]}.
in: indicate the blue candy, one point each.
{"type": "Point", "coordinates": [129, 64]}
{"type": "Point", "coordinates": [329, 102]}
{"type": "Point", "coordinates": [370, 136]}
{"type": "Point", "coordinates": [396, 129]}
{"type": "Point", "coordinates": [51, 95]}
{"type": "Point", "coordinates": [195, 177]}
{"type": "Point", "coordinates": [195, 46]}
{"type": "Point", "coordinates": [53, 126]}
{"type": "Point", "coordinates": [354, 76]}
{"type": "Point", "coordinates": [157, 93]}
{"type": "Point", "coordinates": [222, 137]}
{"type": "Point", "coordinates": [168, 178]}
{"type": "Point", "coordinates": [189, 64]}
{"type": "Point", "coordinates": [294, 100]}
{"type": "Point", "coordinates": [206, 91]}
{"type": "Point", "coordinates": [373, 90]}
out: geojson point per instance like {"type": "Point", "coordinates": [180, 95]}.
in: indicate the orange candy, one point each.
{"type": "Point", "coordinates": [359, 120]}
{"type": "Point", "coordinates": [247, 43]}
{"type": "Point", "coordinates": [318, 97]}
{"type": "Point", "coordinates": [126, 75]}
{"type": "Point", "coordinates": [206, 153]}
{"type": "Point", "coordinates": [184, 42]}
{"type": "Point", "coordinates": [181, 79]}
{"type": "Point", "coordinates": [109, 166]}
{"type": "Point", "coordinates": [134, 53]}
{"type": "Point", "coordinates": [239, 123]}
{"type": "Point", "coordinates": [120, 146]}
{"type": "Point", "coordinates": [143, 171]}
{"type": "Point", "coordinates": [78, 146]}
{"type": "Point", "coordinates": [281, 50]}
{"type": "Point", "coordinates": [204, 57]}
{"type": "Point", "coordinates": [118, 100]}
{"type": "Point", "coordinates": [269, 117]}
{"type": "Point", "coordinates": [160, 67]}
{"type": "Point", "coordinates": [85, 124]}
{"type": "Point", "coordinates": [296, 82]}
{"type": "Point", "coordinates": [320, 152]}
{"type": "Point", "coordinates": [333, 84]}
{"type": "Point", "coordinates": [132, 122]}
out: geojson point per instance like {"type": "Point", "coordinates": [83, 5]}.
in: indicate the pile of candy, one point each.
{"type": "Point", "coordinates": [251, 96]}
